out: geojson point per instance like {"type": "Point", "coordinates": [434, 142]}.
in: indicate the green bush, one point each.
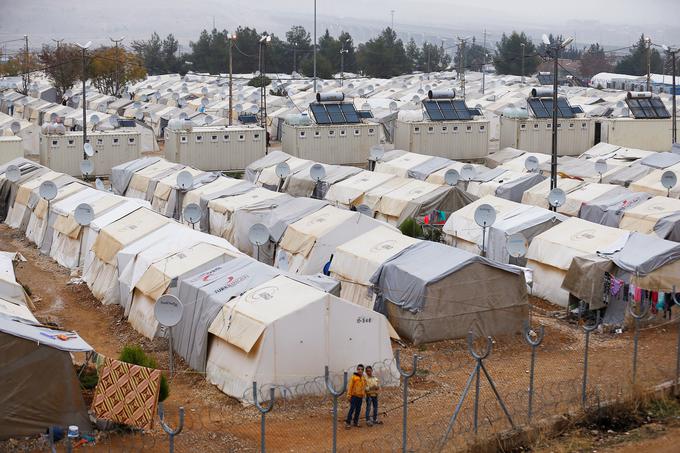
{"type": "Point", "coordinates": [135, 355]}
{"type": "Point", "coordinates": [410, 227]}
{"type": "Point", "coordinates": [260, 81]}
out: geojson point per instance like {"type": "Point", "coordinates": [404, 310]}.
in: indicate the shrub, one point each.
{"type": "Point", "coordinates": [259, 81]}
{"type": "Point", "coordinates": [136, 356]}
{"type": "Point", "coordinates": [410, 227]}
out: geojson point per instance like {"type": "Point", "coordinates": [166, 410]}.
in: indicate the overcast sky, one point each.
{"type": "Point", "coordinates": [609, 22]}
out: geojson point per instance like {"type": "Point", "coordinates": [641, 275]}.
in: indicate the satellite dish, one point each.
{"type": "Point", "coordinates": [144, 98]}
{"type": "Point", "coordinates": [53, 118]}
{"type": "Point", "coordinates": [168, 310]}
{"type": "Point", "coordinates": [317, 172]}
{"type": "Point", "coordinates": [94, 119]}
{"type": "Point", "coordinates": [205, 101]}
{"type": "Point", "coordinates": [60, 129]}
{"type": "Point", "coordinates": [48, 190]}
{"type": "Point", "coordinates": [183, 116]}
{"type": "Point", "coordinates": [254, 109]}
{"type": "Point", "coordinates": [601, 166]}
{"type": "Point", "coordinates": [365, 210]}
{"type": "Point", "coordinates": [669, 179]}
{"type": "Point", "coordinates": [192, 213]}
{"type": "Point", "coordinates": [84, 214]}
{"type": "Point", "coordinates": [99, 184]}
{"type": "Point", "coordinates": [531, 163]}
{"type": "Point", "coordinates": [101, 108]}
{"type": "Point", "coordinates": [238, 108]}
{"type": "Point", "coordinates": [517, 245]}
{"type": "Point", "coordinates": [157, 95]}
{"type": "Point", "coordinates": [139, 115]}
{"type": "Point", "coordinates": [68, 93]}
{"type": "Point", "coordinates": [451, 177]}
{"type": "Point", "coordinates": [204, 91]}
{"type": "Point", "coordinates": [89, 150]}
{"type": "Point", "coordinates": [86, 167]}
{"type": "Point", "coordinates": [557, 197]}
{"type": "Point", "coordinates": [175, 96]}
{"type": "Point", "coordinates": [485, 215]}
{"type": "Point", "coordinates": [137, 105]}
{"type": "Point", "coordinates": [393, 106]}
{"type": "Point", "coordinates": [208, 120]}
{"type": "Point", "coordinates": [258, 234]}
{"type": "Point", "coordinates": [467, 172]}
{"type": "Point", "coordinates": [15, 127]}
{"type": "Point", "coordinates": [377, 152]}
{"type": "Point", "coordinates": [13, 173]}
{"type": "Point", "coordinates": [185, 180]}
{"type": "Point", "coordinates": [113, 121]}
{"type": "Point", "coordinates": [282, 170]}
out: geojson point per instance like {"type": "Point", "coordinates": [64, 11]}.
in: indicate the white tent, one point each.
{"type": "Point", "coordinates": [550, 254]}
{"type": "Point", "coordinates": [355, 261]}
{"type": "Point", "coordinates": [222, 209]}
{"type": "Point", "coordinates": [139, 184]}
{"type": "Point", "coordinates": [18, 214]}
{"type": "Point", "coordinates": [282, 333]}
{"type": "Point", "coordinates": [351, 191]}
{"type": "Point", "coordinates": [307, 245]}
{"type": "Point", "coordinates": [658, 215]}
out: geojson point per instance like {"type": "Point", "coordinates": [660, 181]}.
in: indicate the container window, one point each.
{"type": "Point", "coordinates": [535, 125]}
{"type": "Point", "coordinates": [317, 134]}
{"type": "Point", "coordinates": [241, 137]}
{"type": "Point", "coordinates": [55, 143]}
{"type": "Point", "coordinates": [331, 133]}
{"type": "Point", "coordinates": [371, 131]}
{"type": "Point", "coordinates": [571, 125]}
{"type": "Point", "coordinates": [199, 139]}
{"type": "Point", "coordinates": [522, 126]}
{"type": "Point", "coordinates": [455, 128]}
{"type": "Point", "coordinates": [343, 132]}
{"type": "Point", "coordinates": [583, 125]}
{"type": "Point", "coordinates": [213, 138]}
{"type": "Point", "coordinates": [357, 132]}
{"type": "Point", "coordinates": [183, 139]}
{"type": "Point", "coordinates": [548, 125]}
{"type": "Point", "coordinates": [481, 128]}
{"type": "Point", "coordinates": [100, 141]}
{"type": "Point", "coordinates": [131, 141]}
{"type": "Point", "coordinates": [444, 129]}
{"type": "Point", "coordinates": [430, 129]}
{"type": "Point", "coordinates": [468, 128]}
{"type": "Point", "coordinates": [225, 137]}
{"type": "Point", "coordinates": [71, 143]}
{"type": "Point", "coordinates": [416, 130]}
{"type": "Point", "coordinates": [256, 137]}
{"type": "Point", "coordinates": [116, 142]}
{"type": "Point", "coordinates": [302, 134]}
{"type": "Point", "coordinates": [559, 125]}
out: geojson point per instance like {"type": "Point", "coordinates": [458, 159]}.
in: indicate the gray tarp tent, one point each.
{"type": "Point", "coordinates": [254, 169]}
{"type": "Point", "coordinates": [608, 208]}
{"type": "Point", "coordinates": [301, 184]}
{"type": "Point", "coordinates": [432, 292]}
{"type": "Point", "coordinates": [38, 384]}
{"type": "Point", "coordinates": [203, 296]}
{"type": "Point", "coordinates": [122, 174]}
{"type": "Point", "coordinates": [8, 189]}
{"type": "Point", "coordinates": [428, 167]}
{"type": "Point", "coordinates": [513, 190]}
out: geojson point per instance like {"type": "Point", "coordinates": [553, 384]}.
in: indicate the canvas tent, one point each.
{"type": "Point", "coordinates": [658, 215]}
{"type": "Point", "coordinates": [8, 189]}
{"type": "Point", "coordinates": [356, 260]}
{"type": "Point", "coordinates": [463, 232]}
{"type": "Point", "coordinates": [550, 254]}
{"type": "Point", "coordinates": [431, 292]}
{"type": "Point", "coordinates": [221, 209]}
{"type": "Point", "coordinates": [351, 191]}
{"type": "Point", "coordinates": [307, 245]}
{"type": "Point", "coordinates": [503, 183]}
{"type": "Point", "coordinates": [283, 332]}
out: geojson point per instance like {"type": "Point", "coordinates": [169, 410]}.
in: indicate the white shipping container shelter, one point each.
{"type": "Point", "coordinates": [574, 135]}
{"type": "Point", "coordinates": [647, 134]}
{"type": "Point", "coordinates": [64, 153]}
{"type": "Point", "coordinates": [459, 140]}
{"type": "Point", "coordinates": [215, 148]}
{"type": "Point", "coordinates": [11, 147]}
{"type": "Point", "coordinates": [346, 144]}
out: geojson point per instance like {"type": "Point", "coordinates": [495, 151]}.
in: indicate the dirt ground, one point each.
{"type": "Point", "coordinates": [216, 422]}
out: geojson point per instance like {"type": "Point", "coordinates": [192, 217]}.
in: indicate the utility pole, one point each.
{"type": "Point", "coordinates": [26, 80]}
{"type": "Point", "coordinates": [84, 78]}
{"type": "Point", "coordinates": [315, 91]}
{"type": "Point", "coordinates": [232, 38]}
{"type": "Point", "coordinates": [294, 57]}
{"type": "Point", "coordinates": [428, 59]}
{"type": "Point", "coordinates": [649, 63]}
{"type": "Point", "coordinates": [523, 46]}
{"type": "Point", "coordinates": [58, 59]}
{"type": "Point", "coordinates": [484, 64]}
{"type": "Point", "coordinates": [674, 127]}
{"type": "Point", "coordinates": [118, 64]}
{"type": "Point", "coordinates": [264, 40]}
{"type": "Point", "coordinates": [392, 13]}
{"type": "Point", "coordinates": [343, 51]}
{"type": "Point", "coordinates": [461, 64]}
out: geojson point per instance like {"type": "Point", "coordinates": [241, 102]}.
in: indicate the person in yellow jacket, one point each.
{"type": "Point", "coordinates": [372, 390]}
{"type": "Point", "coordinates": [356, 392]}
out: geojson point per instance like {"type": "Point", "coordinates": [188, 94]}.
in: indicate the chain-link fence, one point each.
{"type": "Point", "coordinates": [457, 393]}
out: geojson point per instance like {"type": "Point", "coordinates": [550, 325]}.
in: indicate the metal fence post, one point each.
{"type": "Point", "coordinates": [676, 301]}
{"type": "Point", "coordinates": [406, 376]}
{"type": "Point", "coordinates": [336, 394]}
{"type": "Point", "coordinates": [171, 433]}
{"type": "Point", "coordinates": [588, 330]}
{"type": "Point", "coordinates": [637, 317]}
{"type": "Point", "coordinates": [534, 344]}
{"type": "Point", "coordinates": [263, 412]}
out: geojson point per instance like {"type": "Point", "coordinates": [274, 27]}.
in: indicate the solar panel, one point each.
{"type": "Point", "coordinates": [365, 113]}
{"type": "Point", "coordinates": [449, 110]}
{"type": "Point", "coordinates": [543, 108]}
{"type": "Point", "coordinates": [545, 79]}
{"type": "Point", "coordinates": [247, 118]}
{"type": "Point", "coordinates": [576, 109]}
{"type": "Point", "coordinates": [647, 108]}
{"type": "Point", "coordinates": [334, 113]}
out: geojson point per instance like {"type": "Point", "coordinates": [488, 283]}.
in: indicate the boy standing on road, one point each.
{"type": "Point", "coordinates": [372, 389]}
{"type": "Point", "coordinates": [355, 394]}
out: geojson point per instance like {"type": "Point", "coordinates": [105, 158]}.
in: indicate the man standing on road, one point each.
{"type": "Point", "coordinates": [356, 392]}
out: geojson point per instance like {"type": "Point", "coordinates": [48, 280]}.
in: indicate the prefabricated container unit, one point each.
{"type": "Point", "coordinates": [64, 152]}
{"type": "Point", "coordinates": [338, 135]}
{"type": "Point", "coordinates": [575, 133]}
{"type": "Point", "coordinates": [449, 129]}
{"type": "Point", "coordinates": [215, 148]}
{"type": "Point", "coordinates": [648, 128]}
{"type": "Point", "coordinates": [10, 148]}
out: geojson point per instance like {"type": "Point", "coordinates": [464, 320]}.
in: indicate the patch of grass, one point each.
{"type": "Point", "coordinates": [135, 355]}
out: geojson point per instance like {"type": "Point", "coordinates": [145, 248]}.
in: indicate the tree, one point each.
{"type": "Point", "coordinates": [594, 61]}
{"type": "Point", "coordinates": [159, 56]}
{"type": "Point", "coordinates": [413, 53]}
{"type": "Point", "coordinates": [570, 53]}
{"type": "Point", "coordinates": [246, 49]}
{"type": "Point", "coordinates": [383, 56]}
{"type": "Point", "coordinates": [433, 58]}
{"type": "Point", "coordinates": [110, 69]}
{"type": "Point", "coordinates": [210, 52]}
{"type": "Point", "coordinates": [635, 63]}
{"type": "Point", "coordinates": [23, 65]}
{"type": "Point", "coordinates": [350, 59]}
{"type": "Point", "coordinates": [329, 50]}
{"type": "Point", "coordinates": [324, 68]}
{"type": "Point", "coordinates": [475, 56]}
{"type": "Point", "coordinates": [508, 57]}
{"type": "Point", "coordinates": [63, 66]}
